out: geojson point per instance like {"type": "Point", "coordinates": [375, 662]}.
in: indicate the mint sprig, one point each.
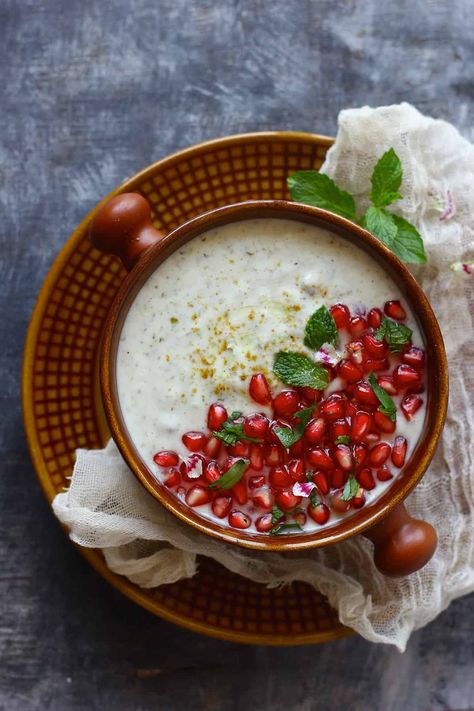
{"type": "Point", "coordinates": [398, 234]}
{"type": "Point", "coordinates": [320, 328]}
{"type": "Point", "coordinates": [232, 476]}
{"type": "Point", "coordinates": [231, 432]}
{"type": "Point", "coordinates": [351, 488]}
{"type": "Point", "coordinates": [342, 439]}
{"type": "Point", "coordinates": [296, 369]}
{"type": "Point", "coordinates": [396, 334]}
{"type": "Point", "coordinates": [288, 437]}
{"type": "Point", "coordinates": [282, 527]}
{"type": "Point", "coordinates": [387, 406]}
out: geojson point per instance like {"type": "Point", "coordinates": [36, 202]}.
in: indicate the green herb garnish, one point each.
{"type": "Point", "coordinates": [299, 370]}
{"type": "Point", "coordinates": [342, 439]}
{"type": "Point", "coordinates": [386, 180]}
{"type": "Point", "coordinates": [396, 334]}
{"type": "Point", "coordinates": [232, 475]}
{"type": "Point", "coordinates": [351, 488]}
{"type": "Point", "coordinates": [387, 406]}
{"type": "Point", "coordinates": [281, 527]}
{"type": "Point", "coordinates": [313, 499]}
{"type": "Point", "coordinates": [231, 432]}
{"type": "Point", "coordinates": [320, 329]}
{"type": "Point", "coordinates": [319, 189]}
{"type": "Point", "coordinates": [289, 437]}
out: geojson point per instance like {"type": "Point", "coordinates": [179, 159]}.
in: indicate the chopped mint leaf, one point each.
{"type": "Point", "coordinates": [320, 329]}
{"type": "Point", "coordinates": [232, 475]}
{"type": "Point", "coordinates": [386, 180]}
{"type": "Point", "coordinates": [277, 514]}
{"type": "Point", "coordinates": [282, 527]}
{"type": "Point", "coordinates": [309, 475]}
{"type": "Point", "coordinates": [342, 439]}
{"type": "Point", "coordinates": [408, 243]}
{"type": "Point", "coordinates": [381, 224]}
{"type": "Point", "coordinates": [351, 488]}
{"type": "Point", "coordinates": [314, 188]}
{"type": "Point", "coordinates": [289, 437]}
{"type": "Point", "coordinates": [231, 432]}
{"type": "Point", "coordinates": [396, 334]}
{"type": "Point", "coordinates": [299, 370]}
{"type": "Point", "coordinates": [387, 406]}
{"type": "Point", "coordinates": [313, 498]}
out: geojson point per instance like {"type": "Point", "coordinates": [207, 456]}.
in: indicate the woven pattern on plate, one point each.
{"type": "Point", "coordinates": [62, 407]}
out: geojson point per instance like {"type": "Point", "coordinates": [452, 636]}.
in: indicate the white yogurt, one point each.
{"type": "Point", "coordinates": [217, 310]}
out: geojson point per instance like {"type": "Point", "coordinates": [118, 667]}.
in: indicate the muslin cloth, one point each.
{"type": "Point", "coordinates": [106, 508]}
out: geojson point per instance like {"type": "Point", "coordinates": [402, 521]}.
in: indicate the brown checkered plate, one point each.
{"type": "Point", "coordinates": [61, 398]}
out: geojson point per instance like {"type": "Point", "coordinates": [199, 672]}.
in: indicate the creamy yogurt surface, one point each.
{"type": "Point", "coordinates": [219, 309]}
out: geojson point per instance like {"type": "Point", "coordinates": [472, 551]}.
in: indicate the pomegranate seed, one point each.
{"type": "Point", "coordinates": [259, 389]}
{"type": "Point", "coordinates": [194, 441]}
{"type": "Point", "coordinates": [297, 469]}
{"type": "Point", "coordinates": [193, 468]}
{"type": "Point", "coordinates": [338, 478]}
{"type": "Point", "coordinates": [384, 423]}
{"type": "Point", "coordinates": [238, 519]}
{"type": "Point", "coordinates": [343, 456]}
{"type": "Point", "coordinates": [399, 451]}
{"type": "Point", "coordinates": [317, 457]}
{"type": "Point", "coordinates": [273, 454]}
{"type": "Point", "coordinates": [340, 428]}
{"type": "Point", "coordinates": [414, 356]}
{"type": "Point", "coordinates": [172, 479]}
{"type": "Point", "coordinates": [310, 395]}
{"type": "Point", "coordinates": [263, 499]}
{"type": "Point", "coordinates": [271, 435]}
{"type": "Point", "coordinates": [239, 492]}
{"type": "Point", "coordinates": [321, 481]}
{"type": "Point", "coordinates": [300, 518]}
{"type": "Point", "coordinates": [239, 449]}
{"type": "Point", "coordinates": [361, 424]}
{"type": "Point", "coordinates": [296, 449]}
{"type": "Point", "coordinates": [341, 316]}
{"type": "Point", "coordinates": [375, 365]}
{"type": "Point", "coordinates": [366, 479]}
{"type": "Point", "coordinates": [315, 430]}
{"type": "Point", "coordinates": [221, 506]}
{"type": "Point", "coordinates": [359, 453]}
{"type": "Point", "coordinates": [286, 403]}
{"type": "Point", "coordinates": [264, 524]}
{"type": "Point", "coordinates": [166, 458]}
{"type": "Point", "coordinates": [319, 513]}
{"type": "Point", "coordinates": [212, 471]}
{"type": "Point", "coordinates": [347, 370]}
{"type": "Point", "coordinates": [356, 351]}
{"type": "Point", "coordinates": [338, 503]}
{"type": "Point", "coordinates": [213, 447]}
{"type": "Point", "coordinates": [372, 438]}
{"type": "Point", "coordinates": [379, 454]}
{"type": "Point", "coordinates": [375, 348]}
{"type": "Point", "coordinates": [411, 404]}
{"type": "Point", "coordinates": [256, 457]}
{"type": "Point", "coordinates": [198, 495]}
{"type": "Point", "coordinates": [217, 414]}
{"type": "Point", "coordinates": [374, 318]}
{"type": "Point", "coordinates": [358, 325]}
{"type": "Point", "coordinates": [255, 482]}
{"type": "Point", "coordinates": [334, 408]}
{"type": "Point", "coordinates": [286, 500]}
{"type": "Point", "coordinates": [405, 376]}
{"type": "Point", "coordinates": [384, 474]}
{"type": "Point", "coordinates": [364, 394]}
{"type": "Point", "coordinates": [395, 310]}
{"type": "Point", "coordinates": [279, 477]}
{"type": "Point", "coordinates": [256, 425]}
{"type": "Point", "coordinates": [351, 409]}
{"type": "Point", "coordinates": [359, 500]}
{"type": "Point", "coordinates": [387, 383]}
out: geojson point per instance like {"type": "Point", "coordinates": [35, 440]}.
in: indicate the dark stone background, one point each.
{"type": "Point", "coordinates": [91, 92]}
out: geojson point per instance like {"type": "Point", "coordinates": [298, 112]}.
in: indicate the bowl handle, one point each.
{"type": "Point", "coordinates": [403, 544]}
{"type": "Point", "coordinates": [123, 227]}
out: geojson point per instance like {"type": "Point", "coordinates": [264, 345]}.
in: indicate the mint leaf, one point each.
{"type": "Point", "coordinates": [277, 514]}
{"type": "Point", "coordinates": [387, 406]}
{"type": "Point", "coordinates": [386, 179]}
{"type": "Point", "coordinates": [297, 369]}
{"type": "Point", "coordinates": [232, 475]}
{"type": "Point", "coordinates": [289, 437]}
{"type": "Point", "coordinates": [231, 432]}
{"type": "Point", "coordinates": [395, 334]}
{"type": "Point", "coordinates": [381, 224]}
{"type": "Point", "coordinates": [282, 527]}
{"type": "Point", "coordinates": [351, 488]}
{"type": "Point", "coordinates": [313, 498]}
{"type": "Point", "coordinates": [320, 328]}
{"type": "Point", "coordinates": [407, 243]}
{"type": "Point", "coordinates": [314, 188]}
{"type": "Point", "coordinates": [342, 439]}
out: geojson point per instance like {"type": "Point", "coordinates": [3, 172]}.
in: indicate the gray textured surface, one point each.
{"type": "Point", "coordinates": [93, 91]}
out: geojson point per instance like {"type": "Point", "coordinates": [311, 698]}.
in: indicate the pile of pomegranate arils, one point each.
{"type": "Point", "coordinates": [341, 455]}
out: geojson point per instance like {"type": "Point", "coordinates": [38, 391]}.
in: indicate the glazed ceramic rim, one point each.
{"type": "Point", "coordinates": [437, 389]}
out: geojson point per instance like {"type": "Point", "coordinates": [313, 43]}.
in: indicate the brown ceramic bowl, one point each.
{"type": "Point", "coordinates": [402, 544]}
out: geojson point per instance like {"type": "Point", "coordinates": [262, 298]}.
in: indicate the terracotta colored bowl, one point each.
{"type": "Point", "coordinates": [402, 544]}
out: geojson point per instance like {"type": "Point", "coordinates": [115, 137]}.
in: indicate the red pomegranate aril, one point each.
{"type": "Point", "coordinates": [374, 347]}
{"type": "Point", "coordinates": [384, 474]}
{"type": "Point", "coordinates": [395, 310]}
{"type": "Point", "coordinates": [297, 469]}
{"type": "Point", "coordinates": [384, 423]}
{"type": "Point", "coordinates": [374, 318]}
{"type": "Point", "coordinates": [314, 431]}
{"type": "Point", "coordinates": [387, 383]}
{"type": "Point", "coordinates": [321, 481]}
{"type": "Point", "coordinates": [341, 316]}
{"type": "Point", "coordinates": [361, 425]}
{"type": "Point", "coordinates": [357, 352]}
{"type": "Point", "coordinates": [364, 394]}
{"type": "Point", "coordinates": [366, 479]}
{"type": "Point", "coordinates": [216, 415]}
{"type": "Point", "coordinates": [255, 482]}
{"type": "Point", "coordinates": [256, 457]}
{"type": "Point", "coordinates": [410, 405]}
{"type": "Point", "coordinates": [286, 500]}
{"type": "Point", "coordinates": [212, 471]}
{"type": "Point", "coordinates": [192, 469]}
{"type": "Point", "coordinates": [338, 503]}
{"type": "Point", "coordinates": [256, 425]}
{"type": "Point", "coordinates": [166, 458]}
{"type": "Point", "coordinates": [379, 454]}
{"type": "Point", "coordinates": [279, 477]}
{"type": "Point", "coordinates": [376, 365]}
{"type": "Point", "coordinates": [372, 438]}
{"type": "Point", "coordinates": [317, 457]}
{"type": "Point", "coordinates": [334, 408]}
{"type": "Point", "coordinates": [194, 441]}
{"type": "Point", "coordinates": [357, 325]}
{"type": "Point", "coordinates": [351, 408]}
{"type": "Point", "coordinates": [263, 499]}
{"type": "Point", "coordinates": [213, 447]}
{"type": "Point", "coordinates": [358, 501]}
{"type": "Point", "coordinates": [296, 449]}
{"type": "Point", "coordinates": [415, 357]}
{"type": "Point", "coordinates": [359, 452]}
{"type": "Point", "coordinates": [173, 478]}
{"type": "Point", "coordinates": [399, 451]}
{"type": "Point", "coordinates": [198, 495]}
{"type": "Point", "coordinates": [286, 403]}
{"type": "Point", "coordinates": [264, 524]}
{"type": "Point", "coordinates": [271, 435]}
{"type": "Point", "coordinates": [405, 376]}
{"type": "Point", "coordinates": [259, 390]}
{"type": "Point", "coordinates": [239, 449]}
{"type": "Point", "coordinates": [273, 454]}
{"type": "Point", "coordinates": [221, 506]}
{"type": "Point", "coordinates": [343, 456]}
{"type": "Point", "coordinates": [337, 478]}
{"type": "Point", "coordinates": [340, 428]}
{"type": "Point", "coordinates": [319, 513]}
{"type": "Point", "coordinates": [240, 493]}
{"type": "Point", "coordinates": [238, 519]}
{"type": "Point", "coordinates": [299, 517]}
{"type": "Point", "coordinates": [349, 371]}
{"type": "Point", "coordinates": [310, 395]}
